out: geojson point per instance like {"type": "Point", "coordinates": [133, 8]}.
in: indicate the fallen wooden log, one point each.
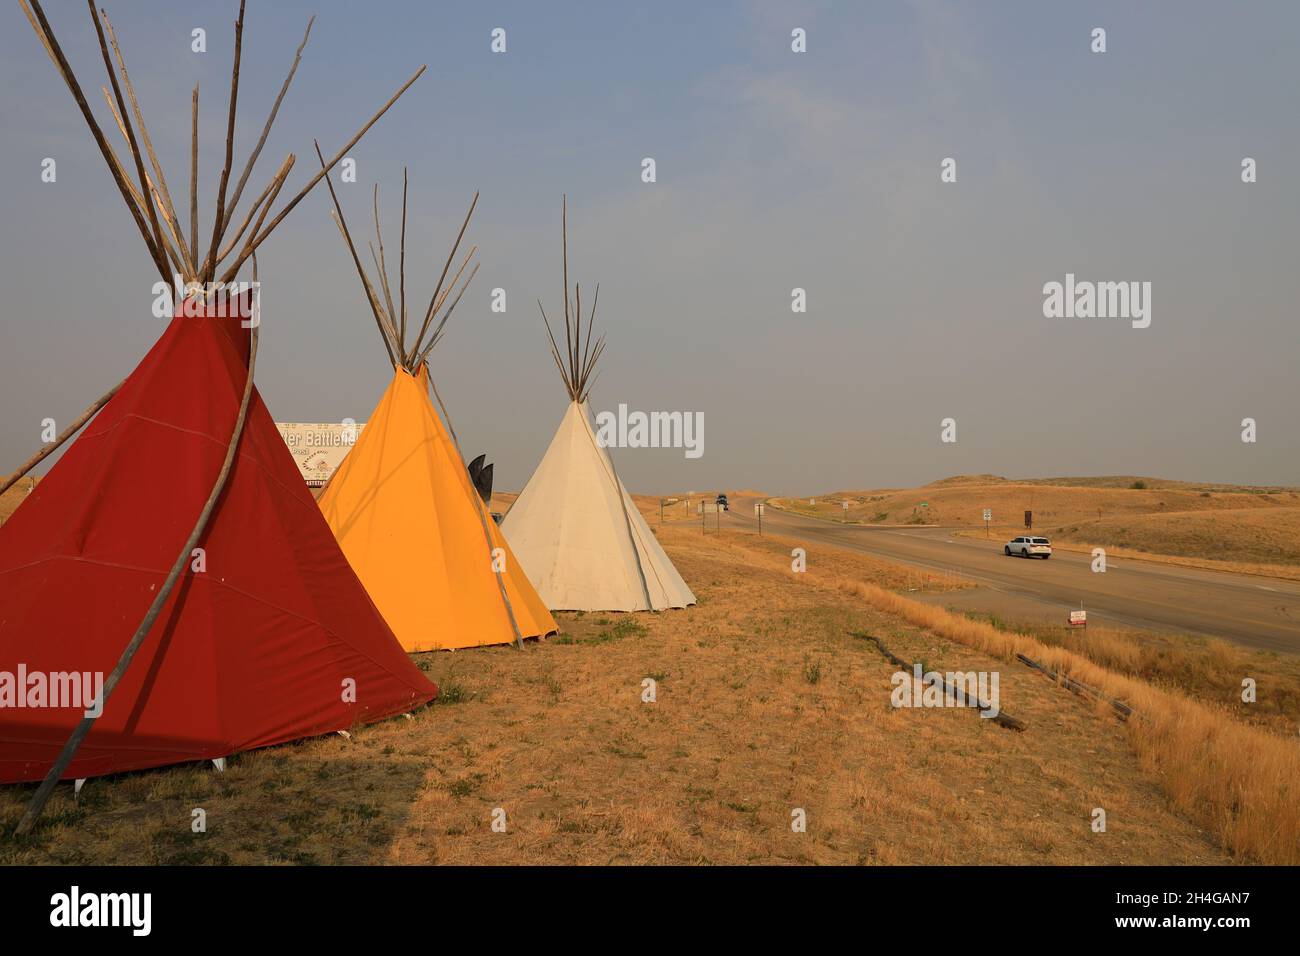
{"type": "Point", "coordinates": [1001, 718]}
{"type": "Point", "coordinates": [1079, 687]}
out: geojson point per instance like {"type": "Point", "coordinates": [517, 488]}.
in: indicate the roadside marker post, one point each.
{"type": "Point", "coordinates": [988, 516]}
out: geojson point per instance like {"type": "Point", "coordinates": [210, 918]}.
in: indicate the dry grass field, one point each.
{"type": "Point", "coordinates": [1257, 536]}
{"type": "Point", "coordinates": [765, 703]}
{"type": "Point", "coordinates": [1228, 527]}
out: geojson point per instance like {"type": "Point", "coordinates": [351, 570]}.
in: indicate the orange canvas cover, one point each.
{"type": "Point", "coordinates": [410, 522]}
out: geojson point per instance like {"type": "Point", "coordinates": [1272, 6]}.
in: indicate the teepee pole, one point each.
{"type": "Point", "coordinates": [194, 169]}
{"type": "Point", "coordinates": [36, 16]}
{"type": "Point", "coordinates": [381, 266]}
{"type": "Point", "coordinates": [622, 500]}
{"type": "Point", "coordinates": [159, 242]}
{"type": "Point", "coordinates": [267, 196]}
{"type": "Point", "coordinates": [480, 509]}
{"type": "Point", "coordinates": [164, 194]}
{"type": "Point", "coordinates": [110, 684]}
{"type": "Point", "coordinates": [266, 130]}
{"type": "Point", "coordinates": [209, 266]}
{"type": "Point", "coordinates": [447, 315]}
{"type": "Point", "coordinates": [433, 299]}
{"type": "Point", "coordinates": [67, 433]}
{"type": "Point", "coordinates": [375, 307]}
{"type": "Point", "coordinates": [401, 264]}
{"type": "Point", "coordinates": [256, 240]}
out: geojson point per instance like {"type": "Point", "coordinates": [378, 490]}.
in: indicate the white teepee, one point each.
{"type": "Point", "coordinates": [579, 536]}
{"type": "Point", "coordinates": [574, 528]}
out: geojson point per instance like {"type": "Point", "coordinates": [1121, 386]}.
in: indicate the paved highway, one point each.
{"type": "Point", "coordinates": [1254, 611]}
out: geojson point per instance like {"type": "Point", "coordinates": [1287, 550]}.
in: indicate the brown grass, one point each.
{"type": "Point", "coordinates": [765, 704]}
{"type": "Point", "coordinates": [1266, 539]}
{"type": "Point", "coordinates": [1206, 668]}
{"type": "Point", "coordinates": [1240, 783]}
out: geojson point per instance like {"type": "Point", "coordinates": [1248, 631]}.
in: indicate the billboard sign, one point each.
{"type": "Point", "coordinates": [318, 448]}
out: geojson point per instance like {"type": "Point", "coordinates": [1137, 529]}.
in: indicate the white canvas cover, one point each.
{"type": "Point", "coordinates": [579, 536]}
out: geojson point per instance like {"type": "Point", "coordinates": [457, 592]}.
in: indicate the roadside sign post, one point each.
{"type": "Point", "coordinates": [1029, 521]}
{"type": "Point", "coordinates": [1079, 618]}
{"type": "Point", "coordinates": [758, 513]}
{"type": "Point", "coordinates": [988, 516]}
{"type": "Point", "coordinates": [846, 508]}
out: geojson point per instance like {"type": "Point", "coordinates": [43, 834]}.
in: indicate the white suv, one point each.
{"type": "Point", "coordinates": [1028, 547]}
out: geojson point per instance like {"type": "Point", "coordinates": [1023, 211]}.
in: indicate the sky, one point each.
{"type": "Point", "coordinates": [775, 170]}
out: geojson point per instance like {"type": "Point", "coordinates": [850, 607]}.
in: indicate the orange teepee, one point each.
{"type": "Point", "coordinates": [412, 525]}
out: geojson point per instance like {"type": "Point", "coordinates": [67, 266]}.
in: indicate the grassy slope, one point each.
{"type": "Point", "coordinates": [1258, 535]}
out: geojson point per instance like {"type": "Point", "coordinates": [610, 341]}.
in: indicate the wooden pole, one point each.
{"type": "Point", "coordinates": [1079, 687]}
{"type": "Point", "coordinates": [1002, 718]}
{"type": "Point", "coordinates": [67, 433]}
{"type": "Point", "coordinates": [381, 266]}
{"type": "Point", "coordinates": [179, 259]}
{"type": "Point", "coordinates": [356, 260]}
{"type": "Point", "coordinates": [275, 108]}
{"type": "Point", "coordinates": [164, 194]}
{"type": "Point", "coordinates": [442, 299]}
{"type": "Point", "coordinates": [218, 223]}
{"type": "Point", "coordinates": [433, 299]}
{"type": "Point", "coordinates": [401, 262]}
{"type": "Point", "coordinates": [248, 217]}
{"type": "Point", "coordinates": [450, 309]}
{"type": "Point", "coordinates": [130, 132]}
{"type": "Point", "coordinates": [46, 36]}
{"type": "Point", "coordinates": [258, 239]}
{"type": "Point", "coordinates": [623, 499]}
{"type": "Point", "coordinates": [483, 518]}
{"type": "Point", "coordinates": [200, 525]}
{"type": "Point", "coordinates": [194, 169]}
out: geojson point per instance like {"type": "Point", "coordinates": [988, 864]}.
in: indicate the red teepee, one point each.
{"type": "Point", "coordinates": [262, 646]}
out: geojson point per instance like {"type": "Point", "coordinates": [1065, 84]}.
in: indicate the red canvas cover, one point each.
{"type": "Point", "coordinates": [253, 651]}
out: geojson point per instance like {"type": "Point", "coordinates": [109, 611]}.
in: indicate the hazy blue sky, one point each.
{"type": "Point", "coordinates": [775, 170]}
